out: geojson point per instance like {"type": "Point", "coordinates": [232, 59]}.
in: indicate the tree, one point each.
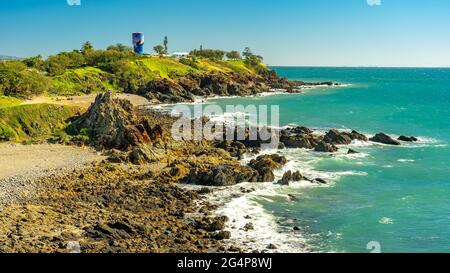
{"type": "Point", "coordinates": [166, 42]}
{"type": "Point", "coordinates": [120, 48]}
{"type": "Point", "coordinates": [251, 59]}
{"type": "Point", "coordinates": [247, 52]}
{"type": "Point", "coordinates": [34, 62]}
{"type": "Point", "coordinates": [87, 48]}
{"type": "Point", "coordinates": [234, 55]}
{"type": "Point", "coordinates": [159, 49]}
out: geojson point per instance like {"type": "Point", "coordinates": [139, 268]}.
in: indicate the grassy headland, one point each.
{"type": "Point", "coordinates": [118, 69]}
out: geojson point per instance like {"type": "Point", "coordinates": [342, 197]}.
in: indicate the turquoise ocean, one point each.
{"type": "Point", "coordinates": [395, 197]}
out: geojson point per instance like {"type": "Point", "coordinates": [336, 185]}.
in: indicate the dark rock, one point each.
{"type": "Point", "coordinates": [222, 235]}
{"type": "Point", "coordinates": [211, 225]}
{"type": "Point", "coordinates": [319, 181]}
{"type": "Point", "coordinates": [358, 136]}
{"type": "Point", "coordinates": [234, 249]}
{"type": "Point", "coordinates": [296, 228]}
{"type": "Point", "coordinates": [408, 139]}
{"type": "Point", "coordinates": [222, 175]}
{"type": "Point", "coordinates": [166, 91]}
{"type": "Point", "coordinates": [266, 164]}
{"type": "Point", "coordinates": [292, 198]}
{"type": "Point", "coordinates": [266, 175]}
{"type": "Point", "coordinates": [324, 147]}
{"type": "Point", "coordinates": [204, 191]}
{"type": "Point", "coordinates": [299, 141]}
{"type": "Point", "coordinates": [335, 137]}
{"type": "Point", "coordinates": [351, 151]}
{"type": "Point", "coordinates": [272, 247]}
{"type": "Point", "coordinates": [290, 177]}
{"type": "Point", "coordinates": [249, 226]}
{"type": "Point", "coordinates": [385, 139]}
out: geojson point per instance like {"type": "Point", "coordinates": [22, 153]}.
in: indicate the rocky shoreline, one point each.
{"type": "Point", "coordinates": [187, 88]}
{"type": "Point", "coordinates": [132, 201]}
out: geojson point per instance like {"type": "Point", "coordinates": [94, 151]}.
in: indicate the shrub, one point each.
{"type": "Point", "coordinates": [58, 64]}
{"type": "Point", "coordinates": [129, 77]}
{"type": "Point", "coordinates": [17, 80]}
{"type": "Point", "coordinates": [190, 62]}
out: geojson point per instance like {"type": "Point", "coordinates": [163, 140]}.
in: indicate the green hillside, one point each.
{"type": "Point", "coordinates": [33, 122]}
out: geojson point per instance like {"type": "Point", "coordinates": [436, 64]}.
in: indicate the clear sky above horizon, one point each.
{"type": "Point", "coordinates": [285, 32]}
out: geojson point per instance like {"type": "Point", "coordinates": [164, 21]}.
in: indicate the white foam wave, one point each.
{"type": "Point", "coordinates": [386, 221]}
{"type": "Point", "coordinates": [406, 160]}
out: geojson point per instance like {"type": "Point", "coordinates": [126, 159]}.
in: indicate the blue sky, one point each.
{"type": "Point", "coordinates": [285, 32]}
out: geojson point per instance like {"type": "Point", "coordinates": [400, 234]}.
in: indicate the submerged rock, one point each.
{"type": "Point", "coordinates": [385, 139]}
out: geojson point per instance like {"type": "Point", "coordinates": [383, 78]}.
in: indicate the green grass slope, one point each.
{"type": "Point", "coordinates": [33, 122]}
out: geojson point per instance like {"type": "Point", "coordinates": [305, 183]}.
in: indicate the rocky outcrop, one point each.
{"type": "Point", "coordinates": [167, 91]}
{"type": "Point", "coordinates": [222, 175]}
{"type": "Point", "coordinates": [336, 137]}
{"type": "Point", "coordinates": [299, 137]}
{"type": "Point", "coordinates": [358, 136]}
{"type": "Point", "coordinates": [384, 139]}
{"type": "Point", "coordinates": [236, 149]}
{"type": "Point", "coordinates": [183, 89]}
{"type": "Point", "coordinates": [289, 177]}
{"type": "Point", "coordinates": [302, 137]}
{"type": "Point", "coordinates": [113, 123]}
{"type": "Point", "coordinates": [265, 166]}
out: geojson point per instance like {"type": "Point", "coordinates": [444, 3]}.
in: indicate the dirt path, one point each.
{"type": "Point", "coordinates": [20, 165]}
{"type": "Point", "coordinates": [85, 100]}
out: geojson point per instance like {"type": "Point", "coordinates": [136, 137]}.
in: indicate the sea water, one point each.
{"type": "Point", "coordinates": [396, 198]}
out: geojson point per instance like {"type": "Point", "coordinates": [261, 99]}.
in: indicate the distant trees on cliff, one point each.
{"type": "Point", "coordinates": [120, 48]}
{"type": "Point", "coordinates": [251, 59]}
{"type": "Point", "coordinates": [208, 53]}
{"type": "Point", "coordinates": [234, 55]}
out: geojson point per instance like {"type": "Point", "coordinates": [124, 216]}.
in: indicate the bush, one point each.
{"type": "Point", "coordinates": [130, 77]}
{"type": "Point", "coordinates": [17, 80]}
{"type": "Point", "coordinates": [108, 59]}
{"type": "Point", "coordinates": [190, 62]}
{"type": "Point", "coordinates": [58, 64]}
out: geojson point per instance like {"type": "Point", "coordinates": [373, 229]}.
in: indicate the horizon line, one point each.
{"type": "Point", "coordinates": [354, 66]}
